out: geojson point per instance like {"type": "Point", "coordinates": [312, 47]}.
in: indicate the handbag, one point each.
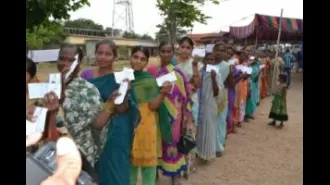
{"type": "Point", "coordinates": [186, 144]}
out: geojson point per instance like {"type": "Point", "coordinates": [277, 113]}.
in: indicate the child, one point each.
{"type": "Point", "coordinates": [278, 111]}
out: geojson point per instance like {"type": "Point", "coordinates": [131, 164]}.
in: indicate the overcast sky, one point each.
{"type": "Point", "coordinates": [230, 12]}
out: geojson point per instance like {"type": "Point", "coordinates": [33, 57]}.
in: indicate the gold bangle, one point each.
{"type": "Point", "coordinates": [109, 107]}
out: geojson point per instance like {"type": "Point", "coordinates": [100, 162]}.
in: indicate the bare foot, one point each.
{"type": "Point", "coordinates": [273, 123]}
{"type": "Point", "coordinates": [176, 180]}
{"type": "Point", "coordinates": [218, 154]}
{"type": "Point", "coordinates": [280, 126]}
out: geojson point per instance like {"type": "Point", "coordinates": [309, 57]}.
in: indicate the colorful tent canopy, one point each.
{"type": "Point", "coordinates": [272, 22]}
{"type": "Point", "coordinates": [266, 28]}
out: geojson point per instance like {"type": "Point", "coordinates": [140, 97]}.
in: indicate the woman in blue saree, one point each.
{"type": "Point", "coordinates": [252, 101]}
{"type": "Point", "coordinates": [113, 166]}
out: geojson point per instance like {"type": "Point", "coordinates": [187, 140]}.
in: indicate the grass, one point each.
{"type": "Point", "coordinates": [45, 68]}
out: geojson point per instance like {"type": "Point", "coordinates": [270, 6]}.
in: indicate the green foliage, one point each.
{"type": "Point", "coordinates": [83, 24]}
{"type": "Point", "coordinates": [43, 35]}
{"type": "Point", "coordinates": [39, 11]}
{"type": "Point", "coordinates": [163, 34]}
{"type": "Point", "coordinates": [132, 35]}
{"type": "Point", "coordinates": [182, 14]}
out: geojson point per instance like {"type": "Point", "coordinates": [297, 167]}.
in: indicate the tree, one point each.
{"type": "Point", "coordinates": [44, 34]}
{"type": "Point", "coordinates": [83, 24]}
{"type": "Point", "coordinates": [163, 34]}
{"type": "Point", "coordinates": [182, 14]}
{"type": "Point", "coordinates": [146, 37]}
{"type": "Point", "coordinates": [39, 11]}
{"type": "Point", "coordinates": [132, 35]}
{"type": "Point", "coordinates": [116, 32]}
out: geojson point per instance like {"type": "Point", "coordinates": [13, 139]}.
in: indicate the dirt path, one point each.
{"type": "Point", "coordinates": [259, 154]}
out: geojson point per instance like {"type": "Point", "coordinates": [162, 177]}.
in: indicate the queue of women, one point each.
{"type": "Point", "coordinates": [145, 131]}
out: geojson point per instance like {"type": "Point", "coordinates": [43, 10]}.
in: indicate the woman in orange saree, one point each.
{"type": "Point", "coordinates": [263, 76]}
{"type": "Point", "coordinates": [241, 95]}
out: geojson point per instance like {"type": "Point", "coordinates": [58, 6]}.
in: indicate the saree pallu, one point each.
{"type": "Point", "coordinates": [114, 165]}
{"type": "Point", "coordinates": [207, 116]}
{"type": "Point", "coordinates": [178, 105]}
{"type": "Point", "coordinates": [154, 126]}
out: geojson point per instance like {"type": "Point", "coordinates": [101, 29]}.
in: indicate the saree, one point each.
{"type": "Point", "coordinates": [177, 103]}
{"type": "Point", "coordinates": [114, 165]}
{"type": "Point", "coordinates": [263, 77]}
{"type": "Point", "coordinates": [231, 104]}
{"type": "Point", "coordinates": [251, 103]}
{"type": "Point", "coordinates": [154, 127]}
{"type": "Point", "coordinates": [221, 129]}
{"type": "Point", "coordinates": [241, 98]}
{"type": "Point", "coordinates": [207, 116]}
{"type": "Point", "coordinates": [187, 68]}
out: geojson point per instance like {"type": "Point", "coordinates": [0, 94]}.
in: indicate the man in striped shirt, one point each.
{"type": "Point", "coordinates": [289, 60]}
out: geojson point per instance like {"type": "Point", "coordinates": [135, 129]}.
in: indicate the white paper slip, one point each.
{"type": "Point", "coordinates": [262, 66]}
{"type": "Point", "coordinates": [56, 88]}
{"type": "Point", "coordinates": [72, 67]}
{"type": "Point", "coordinates": [209, 48]}
{"type": "Point", "coordinates": [198, 52]}
{"type": "Point", "coordinates": [210, 68]}
{"type": "Point", "coordinates": [232, 62]}
{"type": "Point", "coordinates": [249, 70]}
{"type": "Point", "coordinates": [37, 90]}
{"type": "Point", "coordinates": [30, 128]}
{"type": "Point", "coordinates": [126, 73]}
{"type": "Point", "coordinates": [55, 84]}
{"type": "Point", "coordinates": [170, 77]}
{"type": "Point", "coordinates": [122, 90]}
{"type": "Point", "coordinates": [54, 78]}
{"type": "Point", "coordinates": [39, 114]}
{"type": "Point", "coordinates": [129, 73]}
{"type": "Point", "coordinates": [240, 68]}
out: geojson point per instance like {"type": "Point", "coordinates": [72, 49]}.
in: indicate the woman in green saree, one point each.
{"type": "Point", "coordinates": [154, 126]}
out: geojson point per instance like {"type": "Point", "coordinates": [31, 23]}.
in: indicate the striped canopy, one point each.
{"type": "Point", "coordinates": [272, 22]}
{"type": "Point", "coordinates": [266, 28]}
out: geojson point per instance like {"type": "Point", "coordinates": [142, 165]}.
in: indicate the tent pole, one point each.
{"type": "Point", "coordinates": [257, 33]}
{"type": "Point", "coordinates": [279, 34]}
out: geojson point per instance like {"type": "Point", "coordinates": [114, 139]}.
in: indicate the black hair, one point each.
{"type": "Point", "coordinates": [243, 56]}
{"type": "Point", "coordinates": [31, 67]}
{"type": "Point", "coordinates": [283, 77]}
{"type": "Point", "coordinates": [187, 39]}
{"type": "Point", "coordinates": [218, 44]}
{"type": "Point", "coordinates": [238, 52]}
{"type": "Point", "coordinates": [206, 55]}
{"type": "Point", "coordinates": [77, 49]}
{"type": "Point", "coordinates": [144, 50]}
{"type": "Point", "coordinates": [110, 43]}
{"type": "Point", "coordinates": [165, 43]}
{"type": "Point", "coordinates": [287, 50]}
